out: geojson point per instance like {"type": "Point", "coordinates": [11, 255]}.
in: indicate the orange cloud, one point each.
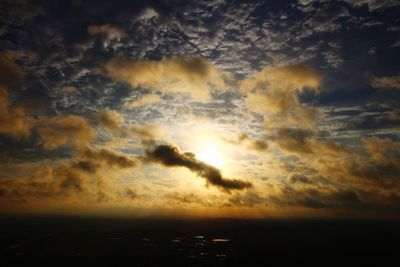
{"type": "Point", "coordinates": [191, 75]}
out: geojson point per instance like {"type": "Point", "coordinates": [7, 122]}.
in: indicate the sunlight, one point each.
{"type": "Point", "coordinates": [211, 155]}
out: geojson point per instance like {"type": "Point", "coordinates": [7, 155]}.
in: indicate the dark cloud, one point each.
{"type": "Point", "coordinates": [171, 156]}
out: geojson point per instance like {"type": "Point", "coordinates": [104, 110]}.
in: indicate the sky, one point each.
{"type": "Point", "coordinates": [253, 109]}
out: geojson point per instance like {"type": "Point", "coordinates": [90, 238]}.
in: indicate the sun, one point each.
{"type": "Point", "coordinates": [211, 155]}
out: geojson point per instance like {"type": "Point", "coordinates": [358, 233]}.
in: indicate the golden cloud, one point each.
{"type": "Point", "coordinates": [111, 120]}
{"type": "Point", "coordinates": [11, 72]}
{"type": "Point", "coordinates": [386, 82]}
{"type": "Point", "coordinates": [44, 182]}
{"type": "Point", "coordinates": [147, 133]}
{"type": "Point", "coordinates": [273, 92]}
{"type": "Point", "coordinates": [61, 130]}
{"type": "Point", "coordinates": [379, 148]}
{"type": "Point", "coordinates": [377, 169]}
{"type": "Point", "coordinates": [191, 75]}
{"type": "Point", "coordinates": [14, 121]}
{"type": "Point", "coordinates": [251, 143]}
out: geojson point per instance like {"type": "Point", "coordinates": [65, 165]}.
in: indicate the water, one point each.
{"type": "Point", "coordinates": [45, 241]}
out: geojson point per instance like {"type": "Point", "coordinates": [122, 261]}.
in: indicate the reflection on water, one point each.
{"type": "Point", "coordinates": [197, 250]}
{"type": "Point", "coordinates": [221, 240]}
{"type": "Point", "coordinates": [200, 247]}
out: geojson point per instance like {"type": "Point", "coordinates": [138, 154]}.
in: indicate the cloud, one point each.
{"type": "Point", "coordinates": [45, 182]}
{"type": "Point", "coordinates": [185, 198]}
{"type": "Point", "coordinates": [248, 199]}
{"type": "Point", "coordinates": [380, 148]}
{"type": "Point", "coordinates": [111, 120]}
{"type": "Point", "coordinates": [273, 92]}
{"type": "Point", "coordinates": [170, 156]}
{"type": "Point", "coordinates": [191, 75]}
{"type": "Point", "coordinates": [296, 178]}
{"type": "Point", "coordinates": [145, 100]}
{"type": "Point", "coordinates": [14, 121]}
{"type": "Point", "coordinates": [317, 198]}
{"type": "Point", "coordinates": [304, 143]}
{"type": "Point", "coordinates": [251, 143]}
{"type": "Point", "coordinates": [62, 130]}
{"type": "Point", "coordinates": [79, 180]}
{"type": "Point", "coordinates": [111, 31]}
{"type": "Point", "coordinates": [377, 169]}
{"type": "Point", "coordinates": [374, 4]}
{"type": "Point", "coordinates": [147, 133]}
{"type": "Point", "coordinates": [91, 160]}
{"type": "Point", "coordinates": [386, 82]}
{"type": "Point", "coordinates": [295, 140]}
{"type": "Point", "coordinates": [11, 72]}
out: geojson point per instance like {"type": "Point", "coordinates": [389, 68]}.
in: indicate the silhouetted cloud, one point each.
{"type": "Point", "coordinates": [170, 156]}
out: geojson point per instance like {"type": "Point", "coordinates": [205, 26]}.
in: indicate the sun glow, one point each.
{"type": "Point", "coordinates": [211, 155]}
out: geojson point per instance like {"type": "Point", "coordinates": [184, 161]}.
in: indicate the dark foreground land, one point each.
{"type": "Point", "coordinates": [66, 241]}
